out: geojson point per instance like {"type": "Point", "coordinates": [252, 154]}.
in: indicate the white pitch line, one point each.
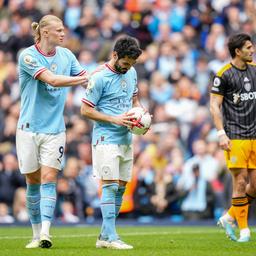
{"type": "Point", "coordinates": [124, 234]}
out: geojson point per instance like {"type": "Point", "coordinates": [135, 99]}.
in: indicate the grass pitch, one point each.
{"type": "Point", "coordinates": [147, 241]}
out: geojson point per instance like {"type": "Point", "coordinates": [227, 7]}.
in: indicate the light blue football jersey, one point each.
{"type": "Point", "coordinates": [42, 105]}
{"type": "Point", "coordinates": [111, 93]}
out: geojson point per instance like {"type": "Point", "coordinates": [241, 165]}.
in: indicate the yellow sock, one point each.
{"type": "Point", "coordinates": [240, 208]}
{"type": "Point", "coordinates": [231, 212]}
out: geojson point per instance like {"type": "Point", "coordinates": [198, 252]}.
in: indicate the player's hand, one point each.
{"type": "Point", "coordinates": [124, 119]}
{"type": "Point", "coordinates": [224, 142]}
{"type": "Point", "coordinates": [84, 80]}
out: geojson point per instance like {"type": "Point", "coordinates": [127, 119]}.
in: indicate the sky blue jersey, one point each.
{"type": "Point", "coordinates": [111, 93]}
{"type": "Point", "coordinates": [42, 105]}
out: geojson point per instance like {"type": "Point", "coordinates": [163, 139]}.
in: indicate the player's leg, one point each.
{"type": "Point", "coordinates": [125, 174]}
{"type": "Point", "coordinates": [33, 206]}
{"type": "Point", "coordinates": [51, 155]}
{"type": "Point", "coordinates": [119, 196]}
{"type": "Point", "coordinates": [238, 160]}
{"type": "Point", "coordinates": [251, 195]}
{"type": "Point", "coordinates": [240, 202]}
{"type": "Point", "coordinates": [27, 152]}
{"type": "Point", "coordinates": [48, 203]}
{"type": "Point", "coordinates": [106, 167]}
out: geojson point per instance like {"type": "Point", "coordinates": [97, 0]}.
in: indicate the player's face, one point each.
{"type": "Point", "coordinates": [124, 64]}
{"type": "Point", "coordinates": [247, 52]}
{"type": "Point", "coordinates": [56, 33]}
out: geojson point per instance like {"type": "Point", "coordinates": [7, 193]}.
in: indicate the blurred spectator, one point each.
{"type": "Point", "coordinates": [5, 217]}
{"type": "Point", "coordinates": [198, 199]}
{"type": "Point", "coordinates": [10, 179]}
{"type": "Point", "coordinates": [19, 205]}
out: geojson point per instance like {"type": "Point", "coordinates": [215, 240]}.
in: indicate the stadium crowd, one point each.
{"type": "Point", "coordinates": [179, 171]}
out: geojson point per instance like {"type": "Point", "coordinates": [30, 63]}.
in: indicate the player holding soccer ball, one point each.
{"type": "Point", "coordinates": [111, 92]}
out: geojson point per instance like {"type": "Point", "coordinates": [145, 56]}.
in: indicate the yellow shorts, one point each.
{"type": "Point", "coordinates": [242, 154]}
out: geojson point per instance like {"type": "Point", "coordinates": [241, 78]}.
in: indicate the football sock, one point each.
{"type": "Point", "coordinates": [47, 206]}
{"type": "Point", "coordinates": [231, 212]}
{"type": "Point", "coordinates": [33, 208]}
{"type": "Point", "coordinates": [107, 206]}
{"type": "Point", "coordinates": [241, 206]}
{"type": "Point", "coordinates": [119, 198]}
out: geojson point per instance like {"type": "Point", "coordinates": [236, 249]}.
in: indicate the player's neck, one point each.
{"type": "Point", "coordinates": [111, 63]}
{"type": "Point", "coordinates": [45, 48]}
{"type": "Point", "coordinates": [239, 63]}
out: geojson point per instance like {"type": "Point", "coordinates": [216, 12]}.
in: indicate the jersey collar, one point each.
{"type": "Point", "coordinates": [46, 55]}
{"type": "Point", "coordinates": [111, 69]}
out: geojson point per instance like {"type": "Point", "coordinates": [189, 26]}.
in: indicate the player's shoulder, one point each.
{"type": "Point", "coordinates": [28, 55]}
{"type": "Point", "coordinates": [99, 72]}
{"type": "Point", "coordinates": [64, 50]}
{"type": "Point", "coordinates": [224, 70]}
{"type": "Point", "coordinates": [29, 50]}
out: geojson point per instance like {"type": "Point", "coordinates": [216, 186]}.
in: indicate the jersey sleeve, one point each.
{"type": "Point", "coordinates": [29, 63]}
{"type": "Point", "coordinates": [93, 91]}
{"type": "Point", "coordinates": [76, 68]}
{"type": "Point", "coordinates": [218, 85]}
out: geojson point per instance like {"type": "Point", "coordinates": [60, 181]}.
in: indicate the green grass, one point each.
{"type": "Point", "coordinates": [148, 241]}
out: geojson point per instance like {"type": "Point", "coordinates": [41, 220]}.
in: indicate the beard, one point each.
{"type": "Point", "coordinates": [119, 69]}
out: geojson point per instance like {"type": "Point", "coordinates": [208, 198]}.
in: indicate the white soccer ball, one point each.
{"type": "Point", "coordinates": [142, 120]}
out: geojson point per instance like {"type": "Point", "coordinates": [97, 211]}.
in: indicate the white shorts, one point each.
{"type": "Point", "coordinates": [36, 149]}
{"type": "Point", "coordinates": [112, 162]}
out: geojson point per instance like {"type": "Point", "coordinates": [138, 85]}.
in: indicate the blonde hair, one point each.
{"type": "Point", "coordinates": [45, 21]}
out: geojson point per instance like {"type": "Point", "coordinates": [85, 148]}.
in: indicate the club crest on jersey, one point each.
{"type": "Point", "coordinates": [233, 159]}
{"type": "Point", "coordinates": [247, 86]}
{"type": "Point", "coordinates": [123, 84]}
{"type": "Point", "coordinates": [53, 67]}
{"type": "Point", "coordinates": [28, 59]}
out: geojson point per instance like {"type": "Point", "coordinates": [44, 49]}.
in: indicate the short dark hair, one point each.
{"type": "Point", "coordinates": [127, 46]}
{"type": "Point", "coordinates": [237, 41]}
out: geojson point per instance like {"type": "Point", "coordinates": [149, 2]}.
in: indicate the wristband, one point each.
{"type": "Point", "coordinates": [221, 132]}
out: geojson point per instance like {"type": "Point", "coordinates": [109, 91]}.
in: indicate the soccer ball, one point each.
{"type": "Point", "coordinates": [142, 120]}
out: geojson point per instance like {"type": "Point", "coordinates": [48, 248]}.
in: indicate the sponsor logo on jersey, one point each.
{"type": "Point", "coordinates": [236, 98]}
{"type": "Point", "coordinates": [248, 96]}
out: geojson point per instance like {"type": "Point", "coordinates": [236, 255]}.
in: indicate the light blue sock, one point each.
{"type": "Point", "coordinates": [108, 196]}
{"type": "Point", "coordinates": [119, 198]}
{"type": "Point", "coordinates": [33, 203]}
{"type": "Point", "coordinates": [48, 201]}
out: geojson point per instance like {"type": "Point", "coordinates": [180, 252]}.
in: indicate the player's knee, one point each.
{"type": "Point", "coordinates": [241, 186]}
{"type": "Point", "coordinates": [49, 177]}
{"type": "Point", "coordinates": [33, 179]}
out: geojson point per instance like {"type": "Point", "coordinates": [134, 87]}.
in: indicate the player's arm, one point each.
{"type": "Point", "coordinates": [215, 109]}
{"type": "Point", "coordinates": [60, 80]}
{"type": "Point", "coordinates": [91, 113]}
